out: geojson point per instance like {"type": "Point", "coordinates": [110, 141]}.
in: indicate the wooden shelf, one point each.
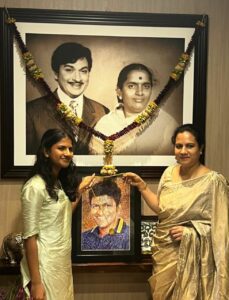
{"type": "Point", "coordinates": [145, 265]}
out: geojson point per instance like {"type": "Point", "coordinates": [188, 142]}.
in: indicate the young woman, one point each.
{"type": "Point", "coordinates": [48, 196]}
{"type": "Point", "coordinates": [190, 247]}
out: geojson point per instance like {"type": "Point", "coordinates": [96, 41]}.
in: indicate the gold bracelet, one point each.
{"type": "Point", "coordinates": [145, 186]}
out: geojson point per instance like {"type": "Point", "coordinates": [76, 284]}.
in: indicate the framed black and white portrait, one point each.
{"type": "Point", "coordinates": [115, 40]}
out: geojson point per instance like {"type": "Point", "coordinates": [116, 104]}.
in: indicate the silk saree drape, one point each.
{"type": "Point", "coordinates": [197, 268]}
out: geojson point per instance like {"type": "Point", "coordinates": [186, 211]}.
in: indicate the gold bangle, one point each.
{"type": "Point", "coordinates": [145, 186]}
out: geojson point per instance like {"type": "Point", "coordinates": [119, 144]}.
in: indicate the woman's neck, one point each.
{"type": "Point", "coordinates": [130, 115]}
{"type": "Point", "coordinates": [189, 172]}
{"type": "Point", "coordinates": [55, 173]}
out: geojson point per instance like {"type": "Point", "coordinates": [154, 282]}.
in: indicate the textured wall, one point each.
{"type": "Point", "coordinates": [217, 121]}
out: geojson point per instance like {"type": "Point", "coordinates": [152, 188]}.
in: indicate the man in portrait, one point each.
{"type": "Point", "coordinates": [111, 231]}
{"type": "Point", "coordinates": [71, 63]}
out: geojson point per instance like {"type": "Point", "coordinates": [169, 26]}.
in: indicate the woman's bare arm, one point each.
{"type": "Point", "coordinates": [149, 196]}
{"type": "Point", "coordinates": [85, 184]}
{"type": "Point", "coordinates": [31, 251]}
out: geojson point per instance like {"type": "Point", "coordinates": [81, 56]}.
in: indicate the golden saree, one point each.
{"type": "Point", "coordinates": [197, 267]}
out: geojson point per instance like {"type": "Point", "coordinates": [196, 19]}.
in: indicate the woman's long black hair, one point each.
{"type": "Point", "coordinates": [43, 166]}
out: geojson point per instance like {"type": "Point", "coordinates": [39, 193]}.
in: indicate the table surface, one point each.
{"type": "Point", "coordinates": [145, 265]}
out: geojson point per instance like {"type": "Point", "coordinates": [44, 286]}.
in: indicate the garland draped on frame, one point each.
{"type": "Point", "coordinates": [74, 121]}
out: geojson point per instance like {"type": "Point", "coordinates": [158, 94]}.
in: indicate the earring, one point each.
{"type": "Point", "coordinates": [46, 155]}
{"type": "Point", "coordinates": [201, 152]}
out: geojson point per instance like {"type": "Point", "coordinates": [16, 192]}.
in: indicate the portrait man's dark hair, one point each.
{"type": "Point", "coordinates": [106, 187]}
{"type": "Point", "coordinates": [70, 53]}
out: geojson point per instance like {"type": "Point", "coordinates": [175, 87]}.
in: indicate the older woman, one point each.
{"type": "Point", "coordinates": [190, 248]}
{"type": "Point", "coordinates": [134, 89]}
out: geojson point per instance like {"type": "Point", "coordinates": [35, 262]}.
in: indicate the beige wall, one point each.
{"type": "Point", "coordinates": [217, 123]}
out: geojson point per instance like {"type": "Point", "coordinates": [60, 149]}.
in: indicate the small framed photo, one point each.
{"type": "Point", "coordinates": [107, 224]}
{"type": "Point", "coordinates": [148, 227]}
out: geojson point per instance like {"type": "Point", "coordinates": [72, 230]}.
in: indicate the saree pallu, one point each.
{"type": "Point", "coordinates": [197, 267]}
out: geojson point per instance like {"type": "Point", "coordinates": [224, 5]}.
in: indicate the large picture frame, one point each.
{"type": "Point", "coordinates": [124, 26]}
{"type": "Point", "coordinates": [95, 238]}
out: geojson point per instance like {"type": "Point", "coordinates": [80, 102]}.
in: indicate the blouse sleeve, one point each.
{"type": "Point", "coordinates": [220, 241]}
{"type": "Point", "coordinates": [32, 198]}
{"type": "Point", "coordinates": [165, 177]}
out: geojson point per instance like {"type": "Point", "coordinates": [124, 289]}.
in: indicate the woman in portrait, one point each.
{"type": "Point", "coordinates": [50, 193]}
{"type": "Point", "coordinates": [190, 247]}
{"type": "Point", "coordinates": [134, 89]}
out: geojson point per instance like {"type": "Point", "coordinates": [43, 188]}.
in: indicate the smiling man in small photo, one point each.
{"type": "Point", "coordinates": [111, 231]}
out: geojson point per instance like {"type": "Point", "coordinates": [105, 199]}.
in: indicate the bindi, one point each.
{"type": "Point", "coordinates": [140, 78]}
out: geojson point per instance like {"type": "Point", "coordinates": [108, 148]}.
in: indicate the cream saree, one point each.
{"type": "Point", "coordinates": [51, 221]}
{"type": "Point", "coordinates": [197, 267]}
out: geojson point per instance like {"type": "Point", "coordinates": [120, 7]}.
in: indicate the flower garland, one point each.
{"type": "Point", "coordinates": [73, 120]}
